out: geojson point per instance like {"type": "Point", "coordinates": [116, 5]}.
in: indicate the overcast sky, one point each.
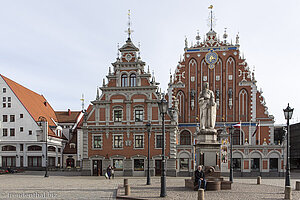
{"type": "Point", "coordinates": [63, 48]}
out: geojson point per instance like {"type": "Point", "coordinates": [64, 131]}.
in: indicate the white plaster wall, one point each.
{"type": "Point", "coordinates": [27, 122]}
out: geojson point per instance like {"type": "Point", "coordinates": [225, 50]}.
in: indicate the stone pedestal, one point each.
{"type": "Point", "coordinates": [207, 147]}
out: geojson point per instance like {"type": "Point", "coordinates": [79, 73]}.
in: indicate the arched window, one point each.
{"type": "Point", "coordinates": [185, 138]}
{"type": "Point", "coordinates": [180, 97]}
{"type": "Point", "coordinates": [51, 148]}
{"type": "Point", "coordinates": [8, 148]}
{"type": "Point", "coordinates": [124, 80]}
{"type": "Point", "coordinates": [132, 80]}
{"type": "Point", "coordinates": [34, 148]}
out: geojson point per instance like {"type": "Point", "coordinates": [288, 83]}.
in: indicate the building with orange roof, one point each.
{"type": "Point", "coordinates": [26, 118]}
{"type": "Point", "coordinates": [70, 121]}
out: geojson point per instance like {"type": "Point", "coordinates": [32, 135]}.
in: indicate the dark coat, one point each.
{"type": "Point", "coordinates": [198, 175]}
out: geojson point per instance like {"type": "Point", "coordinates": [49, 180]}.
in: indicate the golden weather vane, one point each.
{"type": "Point", "coordinates": [129, 31]}
{"type": "Point", "coordinates": [211, 17]}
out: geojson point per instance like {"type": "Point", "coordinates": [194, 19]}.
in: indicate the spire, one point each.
{"type": "Point", "coordinates": [237, 39]}
{"type": "Point", "coordinates": [148, 71]}
{"type": "Point", "coordinates": [211, 18]}
{"type": "Point", "coordinates": [139, 53]}
{"type": "Point", "coordinates": [129, 31]}
{"type": "Point", "coordinates": [118, 52]}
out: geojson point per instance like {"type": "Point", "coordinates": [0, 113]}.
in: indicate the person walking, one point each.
{"type": "Point", "coordinates": [200, 177]}
{"type": "Point", "coordinates": [109, 170]}
{"type": "Point", "coordinates": [113, 172]}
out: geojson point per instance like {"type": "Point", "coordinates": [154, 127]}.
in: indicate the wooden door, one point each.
{"type": "Point", "coordinates": [158, 167]}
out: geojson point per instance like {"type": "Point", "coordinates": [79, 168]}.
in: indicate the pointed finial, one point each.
{"type": "Point", "coordinates": [139, 52]}
{"type": "Point", "coordinates": [237, 39]}
{"type": "Point", "coordinates": [198, 38]}
{"type": "Point", "coordinates": [98, 96]}
{"type": "Point", "coordinates": [225, 35]}
{"type": "Point", "coordinates": [170, 76]}
{"type": "Point", "coordinates": [118, 53]}
{"type": "Point", "coordinates": [82, 101]}
{"type": "Point", "coordinates": [148, 70]}
{"type": "Point", "coordinates": [185, 42]}
{"type": "Point", "coordinates": [109, 71]}
{"type": "Point", "coordinates": [103, 83]}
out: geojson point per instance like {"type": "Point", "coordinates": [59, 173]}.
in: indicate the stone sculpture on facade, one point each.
{"type": "Point", "coordinates": [207, 107]}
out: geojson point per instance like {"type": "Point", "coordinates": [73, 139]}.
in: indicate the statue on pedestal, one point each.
{"type": "Point", "coordinates": [207, 107]}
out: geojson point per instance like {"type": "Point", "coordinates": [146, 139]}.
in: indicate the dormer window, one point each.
{"type": "Point", "coordinates": [124, 80]}
{"type": "Point", "coordinates": [132, 80]}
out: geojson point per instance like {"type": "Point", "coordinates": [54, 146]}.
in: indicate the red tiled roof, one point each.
{"type": "Point", "coordinates": [67, 116]}
{"type": "Point", "coordinates": [34, 103]}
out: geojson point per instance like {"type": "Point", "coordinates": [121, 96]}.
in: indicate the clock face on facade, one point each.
{"type": "Point", "coordinates": [211, 59]}
{"type": "Point", "coordinates": [128, 57]}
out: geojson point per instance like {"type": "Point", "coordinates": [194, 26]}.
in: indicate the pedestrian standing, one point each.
{"type": "Point", "coordinates": [108, 170]}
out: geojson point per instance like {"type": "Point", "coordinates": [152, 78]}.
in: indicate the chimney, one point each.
{"type": "Point", "coordinates": [69, 112]}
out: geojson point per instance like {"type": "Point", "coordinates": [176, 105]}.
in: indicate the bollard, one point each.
{"type": "Point", "coordinates": [125, 182]}
{"type": "Point", "coordinates": [298, 185]}
{"type": "Point", "coordinates": [258, 180]}
{"type": "Point", "coordinates": [127, 190]}
{"type": "Point", "coordinates": [288, 192]}
{"type": "Point", "coordinates": [201, 194]}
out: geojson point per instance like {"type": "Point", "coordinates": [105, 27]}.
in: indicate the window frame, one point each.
{"type": "Point", "coordinates": [142, 141]}
{"type": "Point", "coordinates": [4, 118]}
{"type": "Point", "coordinates": [132, 80]}
{"type": "Point", "coordinates": [141, 114]}
{"type": "Point", "coordinates": [12, 132]}
{"type": "Point", "coordinates": [5, 130]}
{"type": "Point", "coordinates": [12, 118]}
{"type": "Point", "coordinates": [156, 139]}
{"type": "Point", "coordinates": [113, 164]}
{"type": "Point", "coordinates": [120, 139]}
{"type": "Point", "coordinates": [180, 164]}
{"type": "Point", "coordinates": [185, 138]}
{"type": "Point", "coordinates": [124, 80]}
{"type": "Point", "coordinates": [93, 141]}
{"type": "Point", "coordinates": [119, 118]}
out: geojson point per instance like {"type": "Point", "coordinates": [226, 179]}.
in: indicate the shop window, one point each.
{"type": "Point", "coordinates": [184, 164]}
{"type": "Point", "coordinates": [138, 164]}
{"type": "Point", "coordinates": [273, 164]}
{"type": "Point", "coordinates": [118, 164]}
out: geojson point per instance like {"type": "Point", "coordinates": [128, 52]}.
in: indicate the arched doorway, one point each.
{"type": "Point", "coordinates": [70, 162]}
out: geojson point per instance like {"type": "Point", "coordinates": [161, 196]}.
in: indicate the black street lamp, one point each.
{"type": "Point", "coordinates": [148, 125]}
{"type": "Point", "coordinates": [163, 108]}
{"type": "Point", "coordinates": [288, 113]}
{"type": "Point", "coordinates": [231, 162]}
{"type": "Point", "coordinates": [45, 132]}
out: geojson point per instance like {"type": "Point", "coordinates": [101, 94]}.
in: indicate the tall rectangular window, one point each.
{"type": "Point", "coordinates": [12, 118]}
{"type": "Point", "coordinates": [159, 141]}
{"type": "Point", "coordinates": [97, 141]}
{"type": "Point", "coordinates": [118, 141]}
{"type": "Point", "coordinates": [236, 164]}
{"type": "Point", "coordinates": [8, 161]}
{"type": "Point", "coordinates": [4, 105]}
{"type": "Point", "coordinates": [21, 115]}
{"type": "Point", "coordinates": [255, 164]}
{"type": "Point", "coordinates": [4, 90]}
{"type": "Point", "coordinates": [8, 105]}
{"type": "Point", "coordinates": [274, 164]}
{"type": "Point", "coordinates": [4, 117]}
{"type": "Point", "coordinates": [117, 115]}
{"type": "Point", "coordinates": [4, 99]}
{"type": "Point", "coordinates": [21, 129]}
{"type": "Point", "coordinates": [139, 141]}
{"type": "Point", "coordinates": [12, 132]}
{"type": "Point", "coordinates": [30, 132]}
{"type": "Point", "coordinates": [9, 99]}
{"type": "Point", "coordinates": [34, 161]}
{"type": "Point", "coordinates": [5, 132]}
{"type": "Point", "coordinates": [138, 115]}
